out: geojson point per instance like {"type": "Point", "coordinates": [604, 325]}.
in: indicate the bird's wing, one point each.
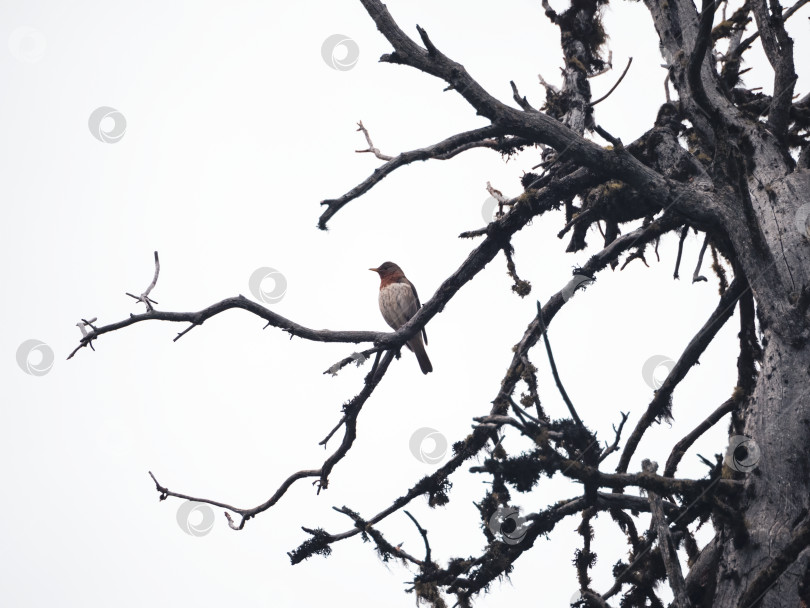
{"type": "Point", "coordinates": [418, 306]}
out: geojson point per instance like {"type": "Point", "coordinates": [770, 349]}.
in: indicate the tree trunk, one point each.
{"type": "Point", "coordinates": [774, 503]}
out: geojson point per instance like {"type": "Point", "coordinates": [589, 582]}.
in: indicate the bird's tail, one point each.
{"type": "Point", "coordinates": [418, 348]}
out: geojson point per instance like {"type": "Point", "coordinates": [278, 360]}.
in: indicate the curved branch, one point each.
{"type": "Point", "coordinates": [571, 409]}
{"type": "Point", "coordinates": [443, 150]}
{"type": "Point", "coordinates": [662, 400]}
{"type": "Point", "coordinates": [665, 544]}
{"type": "Point", "coordinates": [684, 444]}
{"type": "Point", "coordinates": [618, 82]}
{"type": "Point", "coordinates": [538, 127]}
{"type": "Point", "coordinates": [352, 410]}
{"type": "Point", "coordinates": [779, 50]}
{"type": "Point", "coordinates": [272, 318]}
{"type": "Point", "coordinates": [698, 57]}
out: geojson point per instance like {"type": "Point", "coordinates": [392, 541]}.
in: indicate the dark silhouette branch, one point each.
{"type": "Point", "coordinates": [352, 410]}
{"type": "Point", "coordinates": [443, 150]}
{"type": "Point", "coordinates": [615, 86]}
{"type": "Point", "coordinates": [684, 444]}
{"type": "Point", "coordinates": [665, 543]}
{"type": "Point", "coordinates": [554, 372]}
{"type": "Point", "coordinates": [661, 403]}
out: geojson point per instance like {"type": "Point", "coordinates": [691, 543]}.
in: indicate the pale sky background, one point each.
{"type": "Point", "coordinates": [236, 128]}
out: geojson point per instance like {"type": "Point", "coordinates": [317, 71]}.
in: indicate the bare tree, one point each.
{"type": "Point", "coordinates": [721, 159]}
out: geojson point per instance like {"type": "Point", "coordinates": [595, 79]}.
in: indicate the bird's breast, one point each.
{"type": "Point", "coordinates": [397, 304]}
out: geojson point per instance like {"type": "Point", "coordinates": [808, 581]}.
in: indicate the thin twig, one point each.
{"type": "Point", "coordinates": [618, 433]}
{"type": "Point", "coordinates": [696, 276]}
{"type": "Point", "coordinates": [144, 297]}
{"type": "Point", "coordinates": [560, 386]}
{"type": "Point", "coordinates": [423, 532]}
{"type": "Point", "coordinates": [371, 147]}
{"type": "Point", "coordinates": [697, 345]}
{"type": "Point", "coordinates": [521, 101]}
{"type": "Point", "coordinates": [684, 233]}
{"type": "Point", "coordinates": [684, 444]}
{"type": "Point", "coordinates": [618, 82]}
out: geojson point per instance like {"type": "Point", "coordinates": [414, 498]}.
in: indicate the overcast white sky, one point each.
{"type": "Point", "coordinates": [236, 128]}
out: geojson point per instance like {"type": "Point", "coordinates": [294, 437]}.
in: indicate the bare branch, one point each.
{"type": "Point", "coordinates": [383, 546]}
{"type": "Point", "coordinates": [557, 380]}
{"type": "Point", "coordinates": [521, 101]}
{"type": "Point", "coordinates": [684, 233]}
{"type": "Point", "coordinates": [615, 446]}
{"type": "Point", "coordinates": [696, 276]}
{"type": "Point", "coordinates": [371, 147]}
{"type": "Point", "coordinates": [537, 126]}
{"type": "Point", "coordinates": [144, 297]}
{"type": "Point", "coordinates": [684, 444]}
{"type": "Point", "coordinates": [443, 150]}
{"type": "Point", "coordinates": [779, 50]}
{"type": "Point", "coordinates": [241, 302]}
{"type": "Point", "coordinates": [665, 544]}
{"type": "Point", "coordinates": [423, 532]}
{"type": "Point", "coordinates": [618, 82]}
{"type": "Point", "coordinates": [698, 57]}
{"type": "Point", "coordinates": [352, 410]}
{"type": "Point", "coordinates": [661, 403]}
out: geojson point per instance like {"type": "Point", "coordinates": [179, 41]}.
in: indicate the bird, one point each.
{"type": "Point", "coordinates": [398, 303]}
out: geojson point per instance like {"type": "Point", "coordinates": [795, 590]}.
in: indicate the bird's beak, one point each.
{"type": "Point", "coordinates": [377, 270]}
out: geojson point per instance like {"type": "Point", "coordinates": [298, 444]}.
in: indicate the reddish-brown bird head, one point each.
{"type": "Point", "coordinates": [389, 273]}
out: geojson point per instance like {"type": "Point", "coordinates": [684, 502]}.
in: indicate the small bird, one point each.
{"type": "Point", "coordinates": [398, 303]}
